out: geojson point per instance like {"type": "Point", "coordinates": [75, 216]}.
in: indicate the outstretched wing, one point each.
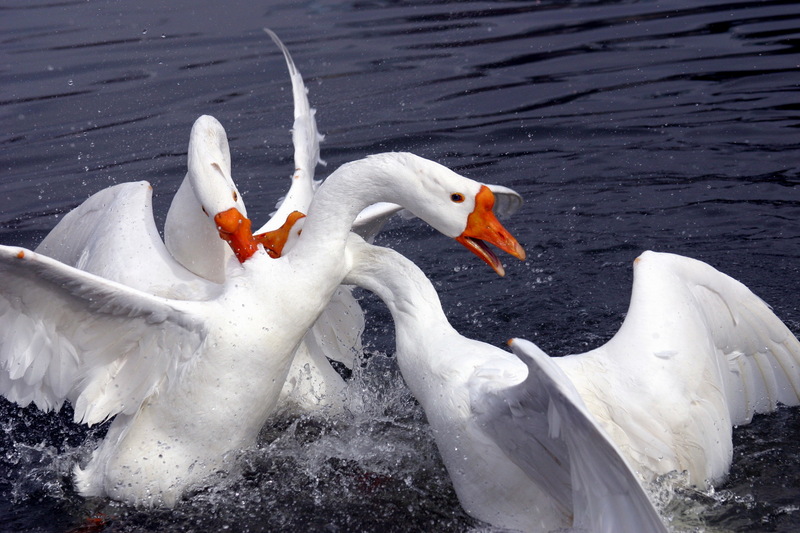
{"type": "Point", "coordinates": [305, 139]}
{"type": "Point", "coordinates": [113, 235]}
{"type": "Point", "coordinates": [687, 303]}
{"type": "Point", "coordinates": [68, 334]}
{"type": "Point", "coordinates": [696, 353]}
{"type": "Point", "coordinates": [545, 408]}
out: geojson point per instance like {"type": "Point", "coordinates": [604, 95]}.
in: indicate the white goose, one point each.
{"type": "Point", "coordinates": [113, 235]}
{"type": "Point", "coordinates": [192, 382]}
{"type": "Point", "coordinates": [546, 443]}
{"type": "Point", "coordinates": [521, 449]}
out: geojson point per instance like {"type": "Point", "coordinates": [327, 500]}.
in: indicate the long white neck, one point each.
{"type": "Point", "coordinates": [390, 177]}
{"type": "Point", "coordinates": [395, 279]}
{"type": "Point", "coordinates": [425, 338]}
{"type": "Point", "coordinates": [192, 238]}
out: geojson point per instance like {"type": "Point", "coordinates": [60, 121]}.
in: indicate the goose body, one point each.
{"type": "Point", "coordinates": [538, 443]}
{"type": "Point", "coordinates": [522, 453]}
{"type": "Point", "coordinates": [192, 381]}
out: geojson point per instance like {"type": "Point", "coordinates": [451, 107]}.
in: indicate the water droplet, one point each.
{"type": "Point", "coordinates": [144, 32]}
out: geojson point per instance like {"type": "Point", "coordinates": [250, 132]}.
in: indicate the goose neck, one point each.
{"type": "Point", "coordinates": [404, 288]}
{"type": "Point", "coordinates": [351, 188]}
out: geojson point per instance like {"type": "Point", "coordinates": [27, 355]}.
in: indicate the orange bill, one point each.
{"type": "Point", "coordinates": [483, 227]}
{"type": "Point", "coordinates": [236, 230]}
{"type": "Point", "coordinates": [274, 241]}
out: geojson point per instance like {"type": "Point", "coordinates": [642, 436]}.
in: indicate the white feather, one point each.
{"type": "Point", "coordinates": [520, 447]}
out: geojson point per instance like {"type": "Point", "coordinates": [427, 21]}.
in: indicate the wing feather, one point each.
{"type": "Point", "coordinates": [66, 334]}
{"type": "Point", "coordinates": [697, 353]}
{"type": "Point", "coordinates": [742, 328]}
{"type": "Point", "coordinates": [306, 139]}
{"type": "Point", "coordinates": [113, 235]}
{"type": "Point", "coordinates": [605, 493]}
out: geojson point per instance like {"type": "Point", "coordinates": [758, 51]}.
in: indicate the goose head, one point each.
{"type": "Point", "coordinates": [455, 206]}
{"type": "Point", "coordinates": [209, 163]}
{"type": "Point", "coordinates": [190, 231]}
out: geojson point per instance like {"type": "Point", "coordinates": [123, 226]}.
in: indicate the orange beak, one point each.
{"type": "Point", "coordinates": [482, 225]}
{"type": "Point", "coordinates": [274, 241]}
{"type": "Point", "coordinates": [236, 230]}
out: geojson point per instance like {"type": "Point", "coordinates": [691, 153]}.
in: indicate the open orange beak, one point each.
{"type": "Point", "coordinates": [274, 241]}
{"type": "Point", "coordinates": [482, 225]}
{"type": "Point", "coordinates": [236, 230]}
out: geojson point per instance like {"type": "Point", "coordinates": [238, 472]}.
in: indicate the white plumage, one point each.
{"type": "Point", "coordinates": [192, 381]}
{"type": "Point", "coordinates": [113, 235]}
{"type": "Point", "coordinates": [520, 447]}
{"type": "Point", "coordinates": [697, 353]}
{"type": "Point", "coordinates": [545, 443]}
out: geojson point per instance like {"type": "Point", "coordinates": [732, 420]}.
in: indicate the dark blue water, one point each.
{"type": "Point", "coordinates": [626, 125]}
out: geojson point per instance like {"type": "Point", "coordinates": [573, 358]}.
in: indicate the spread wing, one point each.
{"type": "Point", "coordinates": [697, 353]}
{"type": "Point", "coordinates": [68, 334]}
{"type": "Point", "coordinates": [727, 333]}
{"type": "Point", "coordinates": [544, 427]}
{"type": "Point", "coordinates": [305, 138]}
{"type": "Point", "coordinates": [113, 235]}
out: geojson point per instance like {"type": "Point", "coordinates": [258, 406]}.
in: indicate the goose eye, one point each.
{"type": "Point", "coordinates": [457, 197]}
{"type": "Point", "coordinates": [204, 210]}
{"type": "Point", "coordinates": [235, 197]}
